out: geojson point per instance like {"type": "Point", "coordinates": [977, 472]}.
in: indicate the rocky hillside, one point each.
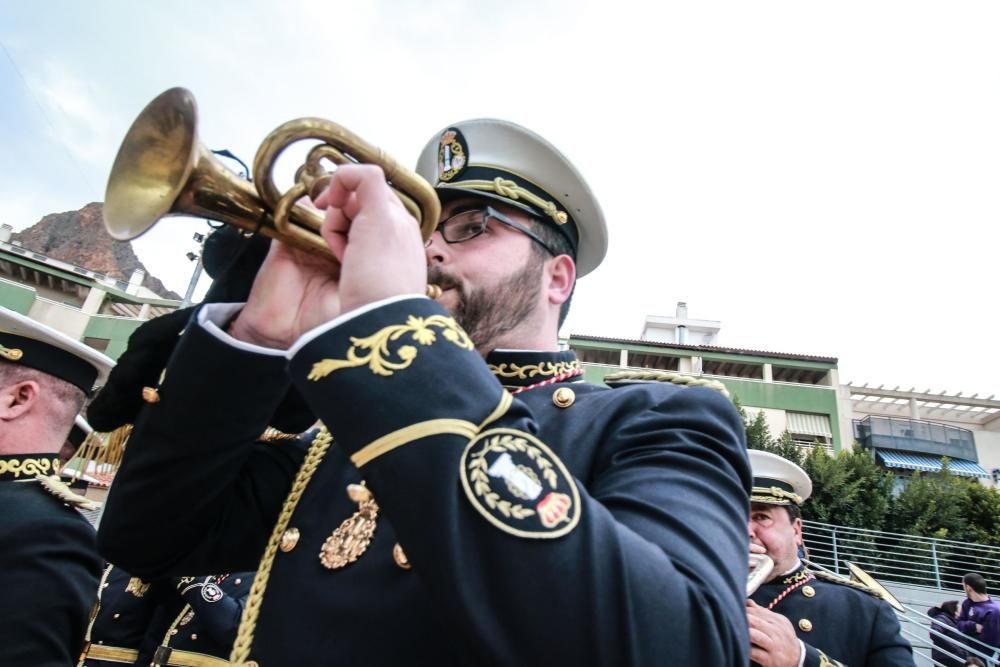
{"type": "Point", "coordinates": [78, 237]}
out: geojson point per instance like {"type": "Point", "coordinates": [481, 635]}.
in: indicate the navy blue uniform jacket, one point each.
{"type": "Point", "coordinates": [611, 531]}
{"type": "Point", "coordinates": [49, 570]}
{"type": "Point", "coordinates": [839, 624]}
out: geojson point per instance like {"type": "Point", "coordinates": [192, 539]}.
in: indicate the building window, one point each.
{"type": "Point", "coordinates": [99, 344]}
{"type": "Point", "coordinates": [810, 429]}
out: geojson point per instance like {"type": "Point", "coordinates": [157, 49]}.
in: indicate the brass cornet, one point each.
{"type": "Point", "coordinates": [760, 568]}
{"type": "Point", "coordinates": [163, 169]}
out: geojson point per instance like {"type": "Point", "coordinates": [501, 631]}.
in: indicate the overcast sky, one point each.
{"type": "Point", "coordinates": [821, 177]}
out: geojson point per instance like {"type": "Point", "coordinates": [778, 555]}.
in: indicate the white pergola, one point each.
{"type": "Point", "coordinates": [909, 403]}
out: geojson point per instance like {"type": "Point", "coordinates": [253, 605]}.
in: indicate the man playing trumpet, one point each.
{"type": "Point", "coordinates": [473, 501]}
{"type": "Point", "coordinates": [801, 617]}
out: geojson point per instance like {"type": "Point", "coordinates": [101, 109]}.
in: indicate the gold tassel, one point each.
{"type": "Point", "coordinates": [100, 455]}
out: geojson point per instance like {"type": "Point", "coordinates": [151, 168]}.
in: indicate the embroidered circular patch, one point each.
{"type": "Point", "coordinates": [520, 485]}
{"type": "Point", "coordinates": [211, 593]}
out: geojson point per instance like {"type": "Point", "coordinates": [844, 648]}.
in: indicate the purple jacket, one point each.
{"type": "Point", "coordinates": [985, 613]}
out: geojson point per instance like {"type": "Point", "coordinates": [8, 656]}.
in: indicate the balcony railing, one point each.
{"type": "Point", "coordinates": [912, 435]}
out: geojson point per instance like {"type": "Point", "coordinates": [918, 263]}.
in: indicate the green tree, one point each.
{"type": "Point", "coordinates": [759, 437]}
{"type": "Point", "coordinates": [849, 489]}
{"type": "Point", "coordinates": [932, 505]}
{"type": "Point", "coordinates": [787, 448]}
{"type": "Point", "coordinates": [981, 510]}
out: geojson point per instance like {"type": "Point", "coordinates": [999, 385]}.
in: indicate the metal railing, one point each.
{"type": "Point", "coordinates": [926, 567]}
{"type": "Point", "coordinates": [899, 558]}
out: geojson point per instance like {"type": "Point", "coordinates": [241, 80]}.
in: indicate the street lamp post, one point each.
{"type": "Point", "coordinates": [198, 267]}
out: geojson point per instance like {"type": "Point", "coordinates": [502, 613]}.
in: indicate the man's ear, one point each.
{"type": "Point", "coordinates": [18, 399]}
{"type": "Point", "coordinates": [797, 529]}
{"type": "Point", "coordinates": [562, 277]}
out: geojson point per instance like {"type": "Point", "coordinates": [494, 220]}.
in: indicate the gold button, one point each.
{"type": "Point", "coordinates": [251, 663]}
{"type": "Point", "coordinates": [289, 539]}
{"type": "Point", "coordinates": [116, 616]}
{"type": "Point", "coordinates": [150, 395]}
{"type": "Point", "coordinates": [564, 397]}
{"type": "Point", "coordinates": [359, 493]}
{"type": "Point", "coordinates": [399, 556]}
{"type": "Point", "coordinates": [105, 585]}
{"type": "Point", "coordinates": [173, 631]}
{"type": "Point", "coordinates": [194, 636]}
{"type": "Point", "coordinates": [809, 591]}
{"type": "Point", "coordinates": [805, 625]}
{"type": "Point", "coordinates": [238, 581]}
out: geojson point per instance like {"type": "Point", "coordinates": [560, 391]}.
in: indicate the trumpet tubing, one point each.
{"type": "Point", "coordinates": [162, 169]}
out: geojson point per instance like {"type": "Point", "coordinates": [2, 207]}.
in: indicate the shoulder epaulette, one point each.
{"type": "Point", "coordinates": [61, 490]}
{"type": "Point", "coordinates": [844, 581]}
{"type": "Point", "coordinates": [637, 377]}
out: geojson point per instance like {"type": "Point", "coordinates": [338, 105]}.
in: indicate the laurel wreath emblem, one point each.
{"type": "Point", "coordinates": [481, 481]}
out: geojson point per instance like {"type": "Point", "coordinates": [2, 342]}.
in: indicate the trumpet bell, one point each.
{"type": "Point", "coordinates": [153, 165]}
{"type": "Point", "coordinates": [162, 169]}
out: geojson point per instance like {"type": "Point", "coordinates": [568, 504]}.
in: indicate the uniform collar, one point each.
{"type": "Point", "coordinates": [14, 467]}
{"type": "Point", "coordinates": [794, 576]}
{"type": "Point", "coordinates": [522, 368]}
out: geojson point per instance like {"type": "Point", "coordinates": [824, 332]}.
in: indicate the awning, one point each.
{"type": "Point", "coordinates": [804, 423]}
{"type": "Point", "coordinates": [930, 463]}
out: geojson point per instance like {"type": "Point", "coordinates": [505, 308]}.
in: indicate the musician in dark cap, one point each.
{"type": "Point", "coordinates": [801, 616]}
{"type": "Point", "coordinates": [49, 565]}
{"type": "Point", "coordinates": [470, 499]}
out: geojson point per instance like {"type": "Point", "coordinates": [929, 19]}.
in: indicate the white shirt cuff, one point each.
{"type": "Point", "coordinates": [802, 653]}
{"type": "Point", "coordinates": [212, 317]}
{"type": "Point", "coordinates": [310, 335]}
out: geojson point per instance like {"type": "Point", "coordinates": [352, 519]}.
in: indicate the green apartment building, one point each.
{"type": "Point", "coordinates": [89, 306]}
{"type": "Point", "coordinates": [797, 393]}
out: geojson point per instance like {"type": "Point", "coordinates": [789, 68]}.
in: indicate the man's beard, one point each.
{"type": "Point", "coordinates": [487, 313]}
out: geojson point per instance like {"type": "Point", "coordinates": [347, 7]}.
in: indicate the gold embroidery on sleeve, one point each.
{"type": "Point", "coordinates": [379, 356]}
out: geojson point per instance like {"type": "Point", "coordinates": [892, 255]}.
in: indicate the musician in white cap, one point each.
{"type": "Point", "coordinates": [49, 567]}
{"type": "Point", "coordinates": [804, 617]}
{"type": "Point", "coordinates": [478, 503]}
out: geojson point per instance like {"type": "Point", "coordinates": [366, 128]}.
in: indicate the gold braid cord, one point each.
{"type": "Point", "coordinates": [664, 376]}
{"type": "Point", "coordinates": [511, 190]}
{"type": "Point", "coordinates": [244, 637]}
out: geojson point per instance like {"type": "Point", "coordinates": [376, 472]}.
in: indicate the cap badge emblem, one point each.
{"type": "Point", "coordinates": [453, 154]}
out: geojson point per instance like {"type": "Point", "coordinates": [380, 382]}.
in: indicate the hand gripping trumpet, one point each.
{"type": "Point", "coordinates": [162, 169]}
